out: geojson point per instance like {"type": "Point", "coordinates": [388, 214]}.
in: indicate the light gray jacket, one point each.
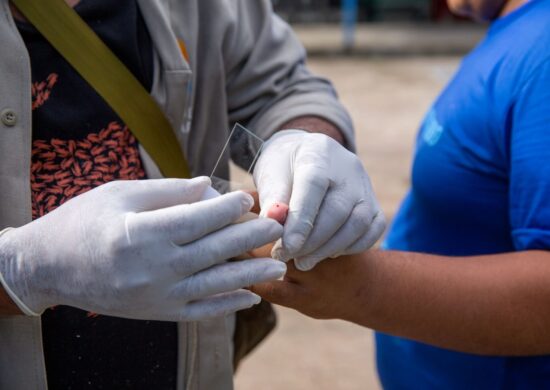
{"type": "Point", "coordinates": [245, 65]}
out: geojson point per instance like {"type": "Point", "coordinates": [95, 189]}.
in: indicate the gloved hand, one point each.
{"type": "Point", "coordinates": [332, 207]}
{"type": "Point", "coordinates": [140, 249]}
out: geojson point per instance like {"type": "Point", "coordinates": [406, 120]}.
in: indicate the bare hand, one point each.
{"type": "Point", "coordinates": [333, 289]}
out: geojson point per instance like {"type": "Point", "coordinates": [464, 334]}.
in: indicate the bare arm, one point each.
{"type": "Point", "coordinates": [491, 305]}
{"type": "Point", "coordinates": [314, 124]}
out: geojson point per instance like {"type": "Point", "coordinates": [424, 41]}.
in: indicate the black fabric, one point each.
{"type": "Point", "coordinates": [79, 143]}
{"type": "Point", "coordinates": [77, 109]}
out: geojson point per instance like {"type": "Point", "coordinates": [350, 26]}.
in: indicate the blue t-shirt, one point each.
{"type": "Point", "coordinates": [480, 185]}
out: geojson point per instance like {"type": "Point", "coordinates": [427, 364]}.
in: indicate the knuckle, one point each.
{"type": "Point", "coordinates": [322, 142]}
{"type": "Point", "coordinates": [302, 227]}
{"type": "Point", "coordinates": [140, 287]}
{"type": "Point", "coordinates": [360, 222]}
{"type": "Point", "coordinates": [356, 164]}
{"type": "Point", "coordinates": [380, 222]}
{"type": "Point", "coordinates": [317, 180]}
{"type": "Point", "coordinates": [115, 243]}
{"type": "Point", "coordinates": [184, 260]}
{"type": "Point", "coordinates": [120, 235]}
{"type": "Point", "coordinates": [114, 192]}
{"type": "Point", "coordinates": [177, 219]}
{"type": "Point", "coordinates": [339, 207]}
{"type": "Point", "coordinates": [214, 255]}
{"type": "Point", "coordinates": [112, 187]}
{"type": "Point", "coordinates": [192, 285]}
{"type": "Point", "coordinates": [131, 289]}
{"type": "Point", "coordinates": [184, 291]}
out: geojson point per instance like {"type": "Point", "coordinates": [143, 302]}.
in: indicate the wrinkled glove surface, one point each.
{"type": "Point", "coordinates": [332, 207]}
{"type": "Point", "coordinates": [146, 249]}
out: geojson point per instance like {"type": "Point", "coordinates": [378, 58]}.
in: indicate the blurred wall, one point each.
{"type": "Point", "coordinates": [328, 11]}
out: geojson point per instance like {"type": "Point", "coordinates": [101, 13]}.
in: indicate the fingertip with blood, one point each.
{"type": "Point", "coordinates": [278, 211]}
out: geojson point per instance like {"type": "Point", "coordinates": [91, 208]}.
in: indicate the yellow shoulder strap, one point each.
{"type": "Point", "coordinates": [100, 67]}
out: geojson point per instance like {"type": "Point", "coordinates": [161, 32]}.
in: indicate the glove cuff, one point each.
{"type": "Point", "coordinates": [24, 308]}
{"type": "Point", "coordinates": [282, 133]}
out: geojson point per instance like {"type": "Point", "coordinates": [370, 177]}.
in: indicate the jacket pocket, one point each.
{"type": "Point", "coordinates": [179, 99]}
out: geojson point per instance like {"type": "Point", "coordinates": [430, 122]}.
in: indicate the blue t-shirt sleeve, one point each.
{"type": "Point", "coordinates": [530, 162]}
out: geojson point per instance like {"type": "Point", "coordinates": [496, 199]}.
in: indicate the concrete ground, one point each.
{"type": "Point", "coordinates": [387, 98]}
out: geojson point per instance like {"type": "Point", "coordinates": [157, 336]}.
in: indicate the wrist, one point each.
{"type": "Point", "coordinates": [286, 133]}
{"type": "Point", "coordinates": [363, 298]}
{"type": "Point", "coordinates": [15, 275]}
{"type": "Point", "coordinates": [314, 124]}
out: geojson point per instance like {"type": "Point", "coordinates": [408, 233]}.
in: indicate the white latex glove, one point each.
{"type": "Point", "coordinates": [332, 207]}
{"type": "Point", "coordinates": [140, 249]}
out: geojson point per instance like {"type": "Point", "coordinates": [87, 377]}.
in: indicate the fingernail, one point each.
{"type": "Point", "coordinates": [274, 271]}
{"type": "Point", "coordinates": [279, 268]}
{"type": "Point", "coordinates": [257, 299]}
{"type": "Point", "coordinates": [305, 264]}
{"type": "Point", "coordinates": [247, 202]}
{"type": "Point", "coordinates": [281, 255]}
{"type": "Point", "coordinates": [205, 179]}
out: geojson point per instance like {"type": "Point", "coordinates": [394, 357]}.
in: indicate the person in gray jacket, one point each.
{"type": "Point", "coordinates": [113, 282]}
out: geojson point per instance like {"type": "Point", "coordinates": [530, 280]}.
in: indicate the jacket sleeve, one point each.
{"type": "Point", "coordinates": [267, 80]}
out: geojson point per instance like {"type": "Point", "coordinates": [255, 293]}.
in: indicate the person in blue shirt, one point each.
{"type": "Point", "coordinates": [461, 291]}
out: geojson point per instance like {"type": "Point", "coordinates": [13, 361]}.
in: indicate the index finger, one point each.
{"type": "Point", "coordinates": [154, 194]}
{"type": "Point", "coordinates": [186, 223]}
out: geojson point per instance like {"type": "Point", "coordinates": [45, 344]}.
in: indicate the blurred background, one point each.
{"type": "Point", "coordinates": [388, 60]}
